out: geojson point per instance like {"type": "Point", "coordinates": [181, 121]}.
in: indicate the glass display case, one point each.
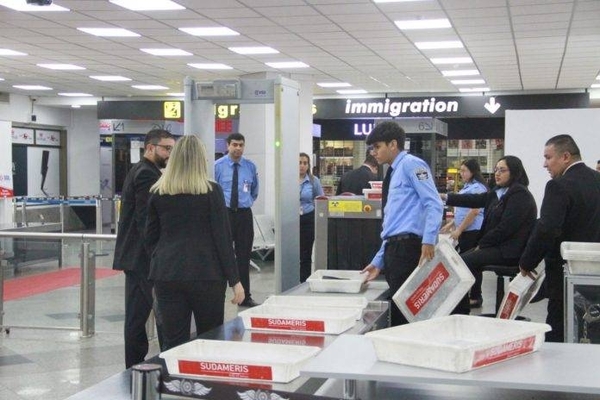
{"type": "Point", "coordinates": [582, 308]}
{"type": "Point", "coordinates": [337, 157]}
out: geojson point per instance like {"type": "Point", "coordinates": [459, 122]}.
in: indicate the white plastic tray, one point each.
{"type": "Point", "coordinates": [237, 360]}
{"type": "Point", "coordinates": [435, 288]}
{"type": "Point", "coordinates": [582, 258]}
{"type": "Point", "coordinates": [295, 319]}
{"type": "Point", "coordinates": [343, 281]}
{"type": "Point", "coordinates": [520, 292]}
{"type": "Point", "coordinates": [457, 343]}
{"type": "Point", "coordinates": [355, 303]}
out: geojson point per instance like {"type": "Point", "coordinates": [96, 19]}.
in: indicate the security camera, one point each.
{"type": "Point", "coordinates": [39, 2]}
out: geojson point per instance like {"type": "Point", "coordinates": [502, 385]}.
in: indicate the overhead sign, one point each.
{"type": "Point", "coordinates": [442, 106]}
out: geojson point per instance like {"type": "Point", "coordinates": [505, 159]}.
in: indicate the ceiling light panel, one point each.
{"type": "Point", "coordinates": [32, 87]}
{"type": "Point", "coordinates": [351, 91]}
{"type": "Point", "coordinates": [451, 60]}
{"type": "Point", "coordinates": [167, 52]}
{"type": "Point", "coordinates": [464, 72]}
{"type": "Point", "coordinates": [9, 52]}
{"type": "Point", "coordinates": [333, 84]}
{"type": "Point", "coordinates": [467, 82]}
{"type": "Point", "coordinates": [471, 90]}
{"type": "Point", "coordinates": [210, 66]}
{"type": "Point", "coordinates": [21, 5]}
{"type": "Point", "coordinates": [210, 31]}
{"type": "Point", "coordinates": [110, 78]}
{"type": "Point", "coordinates": [423, 24]}
{"type": "Point", "coordinates": [149, 87]}
{"type": "Point", "coordinates": [447, 44]}
{"type": "Point", "coordinates": [287, 64]}
{"type": "Point", "coordinates": [63, 67]}
{"type": "Point", "coordinates": [148, 5]}
{"type": "Point", "coordinates": [75, 94]}
{"type": "Point", "coordinates": [253, 50]}
{"type": "Point", "coordinates": [109, 32]}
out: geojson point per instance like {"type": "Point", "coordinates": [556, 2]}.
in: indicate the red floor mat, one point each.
{"type": "Point", "coordinates": [19, 288]}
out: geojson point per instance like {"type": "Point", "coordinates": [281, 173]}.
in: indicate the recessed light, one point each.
{"type": "Point", "coordinates": [110, 78]}
{"type": "Point", "coordinates": [287, 64]}
{"type": "Point", "coordinates": [32, 87]}
{"type": "Point", "coordinates": [448, 44]}
{"type": "Point", "coordinates": [595, 85]}
{"type": "Point", "coordinates": [351, 91]}
{"type": "Point", "coordinates": [72, 94]}
{"type": "Point", "coordinates": [451, 60]}
{"type": "Point", "coordinates": [423, 24]}
{"type": "Point", "coordinates": [176, 94]}
{"type": "Point", "coordinates": [333, 84]}
{"type": "Point", "coordinates": [65, 67]}
{"type": "Point", "coordinates": [1, 79]}
{"type": "Point", "coordinates": [21, 5]}
{"type": "Point", "coordinates": [210, 31]}
{"type": "Point", "coordinates": [75, 106]}
{"type": "Point", "coordinates": [210, 66]}
{"type": "Point", "coordinates": [149, 87]}
{"type": "Point", "coordinates": [109, 32]}
{"type": "Point", "coordinates": [467, 81]}
{"type": "Point", "coordinates": [167, 52]}
{"type": "Point", "coordinates": [9, 52]}
{"type": "Point", "coordinates": [460, 72]}
{"type": "Point", "coordinates": [481, 89]}
{"type": "Point", "coordinates": [254, 50]}
{"type": "Point", "coordinates": [148, 5]}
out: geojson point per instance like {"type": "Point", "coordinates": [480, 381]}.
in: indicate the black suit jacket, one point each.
{"type": "Point", "coordinates": [507, 222]}
{"type": "Point", "coordinates": [356, 180]}
{"type": "Point", "coordinates": [190, 239]}
{"type": "Point", "coordinates": [570, 212]}
{"type": "Point", "coordinates": [130, 252]}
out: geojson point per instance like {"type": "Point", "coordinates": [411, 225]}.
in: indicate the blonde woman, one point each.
{"type": "Point", "coordinates": [189, 238]}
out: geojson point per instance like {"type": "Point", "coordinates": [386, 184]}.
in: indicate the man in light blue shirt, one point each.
{"type": "Point", "coordinates": [238, 178]}
{"type": "Point", "coordinates": [412, 212]}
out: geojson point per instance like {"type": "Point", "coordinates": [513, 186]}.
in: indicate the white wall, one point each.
{"type": "Point", "coordinates": [526, 132]}
{"type": "Point", "coordinates": [83, 153]}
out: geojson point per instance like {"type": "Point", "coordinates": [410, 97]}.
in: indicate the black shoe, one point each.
{"type": "Point", "coordinates": [249, 303]}
{"type": "Point", "coordinates": [475, 303]}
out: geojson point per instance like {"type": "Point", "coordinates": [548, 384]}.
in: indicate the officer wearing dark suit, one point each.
{"type": "Point", "coordinates": [358, 179]}
{"type": "Point", "coordinates": [570, 212]}
{"type": "Point", "coordinates": [131, 255]}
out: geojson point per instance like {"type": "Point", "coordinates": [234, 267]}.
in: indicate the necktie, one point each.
{"type": "Point", "coordinates": [385, 188]}
{"type": "Point", "coordinates": [233, 204]}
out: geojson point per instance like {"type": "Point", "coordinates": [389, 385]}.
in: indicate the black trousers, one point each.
{"type": "Point", "coordinates": [467, 241]}
{"type": "Point", "coordinates": [476, 259]}
{"type": "Point", "coordinates": [400, 258]}
{"type": "Point", "coordinates": [177, 300]}
{"type": "Point", "coordinates": [554, 285]}
{"type": "Point", "coordinates": [242, 230]}
{"type": "Point", "coordinates": [138, 304]}
{"type": "Point", "coordinates": [307, 239]}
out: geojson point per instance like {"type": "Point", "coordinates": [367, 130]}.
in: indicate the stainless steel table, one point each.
{"type": "Point", "coordinates": [556, 367]}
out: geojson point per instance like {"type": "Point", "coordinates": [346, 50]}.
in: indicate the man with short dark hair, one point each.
{"type": "Point", "coordinates": [239, 180]}
{"type": "Point", "coordinates": [570, 212]}
{"type": "Point", "coordinates": [131, 255]}
{"type": "Point", "coordinates": [412, 211]}
{"type": "Point", "coordinates": [358, 179]}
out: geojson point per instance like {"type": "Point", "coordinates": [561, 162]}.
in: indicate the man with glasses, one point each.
{"type": "Point", "coordinates": [131, 255]}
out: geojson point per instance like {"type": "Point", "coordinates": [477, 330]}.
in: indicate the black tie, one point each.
{"type": "Point", "coordinates": [233, 204]}
{"type": "Point", "coordinates": [385, 188]}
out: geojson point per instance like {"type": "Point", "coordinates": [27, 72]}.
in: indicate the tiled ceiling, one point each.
{"type": "Point", "coordinates": [517, 45]}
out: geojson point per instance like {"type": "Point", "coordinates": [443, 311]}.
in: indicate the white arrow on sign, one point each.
{"type": "Point", "coordinates": [492, 106]}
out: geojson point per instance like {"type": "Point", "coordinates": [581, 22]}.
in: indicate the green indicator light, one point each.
{"type": "Point", "coordinates": [277, 143]}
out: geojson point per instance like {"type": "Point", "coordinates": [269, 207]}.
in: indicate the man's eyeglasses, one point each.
{"type": "Point", "coordinates": [500, 170]}
{"type": "Point", "coordinates": [167, 148]}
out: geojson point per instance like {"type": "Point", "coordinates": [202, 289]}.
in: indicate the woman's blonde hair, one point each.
{"type": "Point", "coordinates": [186, 170]}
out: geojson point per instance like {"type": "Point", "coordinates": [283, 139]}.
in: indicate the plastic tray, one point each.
{"type": "Point", "coordinates": [373, 194]}
{"type": "Point", "coordinates": [376, 184]}
{"type": "Point", "coordinates": [435, 288]}
{"type": "Point", "coordinates": [520, 291]}
{"type": "Point", "coordinates": [336, 280]}
{"type": "Point", "coordinates": [237, 360]}
{"type": "Point", "coordinates": [295, 319]}
{"type": "Point", "coordinates": [355, 303]}
{"type": "Point", "coordinates": [457, 343]}
{"type": "Point", "coordinates": [582, 258]}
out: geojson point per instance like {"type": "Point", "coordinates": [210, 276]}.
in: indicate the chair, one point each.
{"type": "Point", "coordinates": [502, 272]}
{"type": "Point", "coordinates": [264, 237]}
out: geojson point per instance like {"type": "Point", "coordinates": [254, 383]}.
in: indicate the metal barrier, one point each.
{"type": "Point", "coordinates": [87, 292]}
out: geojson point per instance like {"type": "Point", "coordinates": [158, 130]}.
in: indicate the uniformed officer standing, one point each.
{"type": "Point", "coordinates": [412, 211]}
{"type": "Point", "coordinates": [239, 180]}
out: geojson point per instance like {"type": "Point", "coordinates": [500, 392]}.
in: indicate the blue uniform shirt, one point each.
{"type": "Point", "coordinates": [413, 204]}
{"type": "Point", "coordinates": [308, 192]}
{"type": "Point", "coordinates": [247, 180]}
{"type": "Point", "coordinates": [461, 212]}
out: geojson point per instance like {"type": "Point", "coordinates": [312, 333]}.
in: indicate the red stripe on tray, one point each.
{"type": "Point", "coordinates": [26, 286]}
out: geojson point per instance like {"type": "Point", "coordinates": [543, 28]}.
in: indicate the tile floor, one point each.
{"type": "Point", "coordinates": [53, 364]}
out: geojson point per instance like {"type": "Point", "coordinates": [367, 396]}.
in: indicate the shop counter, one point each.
{"type": "Point", "coordinates": [555, 371]}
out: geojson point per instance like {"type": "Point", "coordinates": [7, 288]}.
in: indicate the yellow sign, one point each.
{"type": "Point", "coordinates": [345, 206]}
{"type": "Point", "coordinates": [172, 109]}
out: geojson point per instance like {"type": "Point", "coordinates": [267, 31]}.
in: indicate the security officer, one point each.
{"type": "Point", "coordinates": [238, 177]}
{"type": "Point", "coordinates": [412, 211]}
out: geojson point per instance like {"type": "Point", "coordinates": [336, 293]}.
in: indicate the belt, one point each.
{"type": "Point", "coordinates": [403, 236]}
{"type": "Point", "coordinates": [239, 209]}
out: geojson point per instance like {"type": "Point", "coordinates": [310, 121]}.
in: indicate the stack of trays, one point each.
{"type": "Point", "coordinates": [336, 281]}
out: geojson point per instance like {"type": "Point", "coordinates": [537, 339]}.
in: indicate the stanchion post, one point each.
{"type": "Point", "coordinates": [1, 291]}
{"type": "Point", "coordinates": [87, 290]}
